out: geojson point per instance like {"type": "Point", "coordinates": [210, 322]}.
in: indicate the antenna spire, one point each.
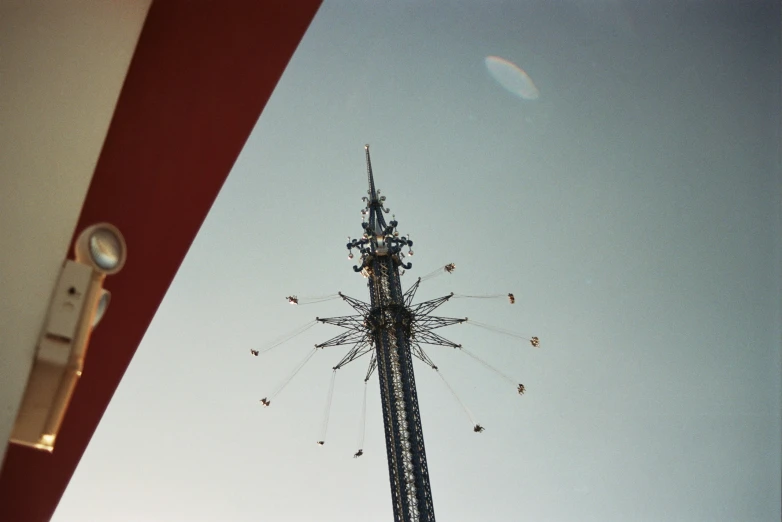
{"type": "Point", "coordinates": [374, 209]}
{"type": "Point", "coordinates": [370, 178]}
{"type": "Point", "coordinates": [379, 237]}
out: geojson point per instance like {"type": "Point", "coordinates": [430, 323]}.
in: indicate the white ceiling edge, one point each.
{"type": "Point", "coordinates": [62, 66]}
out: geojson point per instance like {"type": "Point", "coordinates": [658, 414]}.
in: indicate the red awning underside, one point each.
{"type": "Point", "coordinates": [199, 79]}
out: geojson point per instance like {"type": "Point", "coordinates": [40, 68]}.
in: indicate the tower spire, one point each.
{"type": "Point", "coordinates": [379, 238]}
{"type": "Point", "coordinates": [374, 201]}
{"type": "Point", "coordinates": [370, 177]}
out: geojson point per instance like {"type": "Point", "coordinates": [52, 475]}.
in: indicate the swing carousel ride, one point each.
{"type": "Point", "coordinates": [362, 330]}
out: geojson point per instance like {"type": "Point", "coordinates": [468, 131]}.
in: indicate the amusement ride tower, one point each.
{"type": "Point", "coordinates": [392, 330]}
{"type": "Point", "coordinates": [390, 325]}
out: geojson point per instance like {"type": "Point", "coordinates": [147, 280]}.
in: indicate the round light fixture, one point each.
{"type": "Point", "coordinates": [103, 247]}
{"type": "Point", "coordinates": [103, 304]}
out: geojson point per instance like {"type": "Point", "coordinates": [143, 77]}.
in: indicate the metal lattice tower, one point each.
{"type": "Point", "coordinates": [392, 329]}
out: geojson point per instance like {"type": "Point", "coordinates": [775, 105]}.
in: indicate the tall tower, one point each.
{"type": "Point", "coordinates": [390, 324]}
{"type": "Point", "coordinates": [391, 329]}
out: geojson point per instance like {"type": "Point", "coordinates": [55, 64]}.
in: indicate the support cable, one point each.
{"type": "Point", "coordinates": [292, 375]}
{"type": "Point", "coordinates": [362, 423]}
{"type": "Point", "coordinates": [447, 269]}
{"type": "Point", "coordinates": [482, 296]}
{"type": "Point", "coordinates": [489, 366]}
{"type": "Point", "coordinates": [315, 300]}
{"type": "Point", "coordinates": [284, 339]}
{"type": "Point", "coordinates": [464, 407]}
{"type": "Point", "coordinates": [534, 341]}
{"type": "Point", "coordinates": [325, 425]}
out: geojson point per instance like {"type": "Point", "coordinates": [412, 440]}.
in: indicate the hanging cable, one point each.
{"type": "Point", "coordinates": [464, 407]}
{"type": "Point", "coordinates": [285, 338]}
{"type": "Point", "coordinates": [483, 296]}
{"type": "Point", "coordinates": [291, 376]}
{"type": "Point", "coordinates": [326, 414]}
{"type": "Point", "coordinates": [447, 269]}
{"type": "Point", "coordinates": [315, 300]}
{"type": "Point", "coordinates": [488, 366]}
{"type": "Point", "coordinates": [362, 423]}
{"type": "Point", "coordinates": [534, 341]}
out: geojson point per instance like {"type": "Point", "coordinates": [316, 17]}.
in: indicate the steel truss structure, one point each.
{"type": "Point", "coordinates": [392, 329]}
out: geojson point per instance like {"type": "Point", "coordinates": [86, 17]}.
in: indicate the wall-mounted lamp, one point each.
{"type": "Point", "coordinates": [76, 307]}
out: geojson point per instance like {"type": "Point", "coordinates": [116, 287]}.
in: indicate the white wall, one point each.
{"type": "Point", "coordinates": [62, 65]}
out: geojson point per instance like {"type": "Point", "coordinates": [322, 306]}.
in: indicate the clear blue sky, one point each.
{"type": "Point", "coordinates": [633, 209]}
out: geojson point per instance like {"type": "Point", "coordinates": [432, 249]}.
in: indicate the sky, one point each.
{"type": "Point", "coordinates": [632, 208]}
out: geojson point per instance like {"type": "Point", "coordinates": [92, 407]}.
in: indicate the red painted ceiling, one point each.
{"type": "Point", "coordinates": [199, 79]}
